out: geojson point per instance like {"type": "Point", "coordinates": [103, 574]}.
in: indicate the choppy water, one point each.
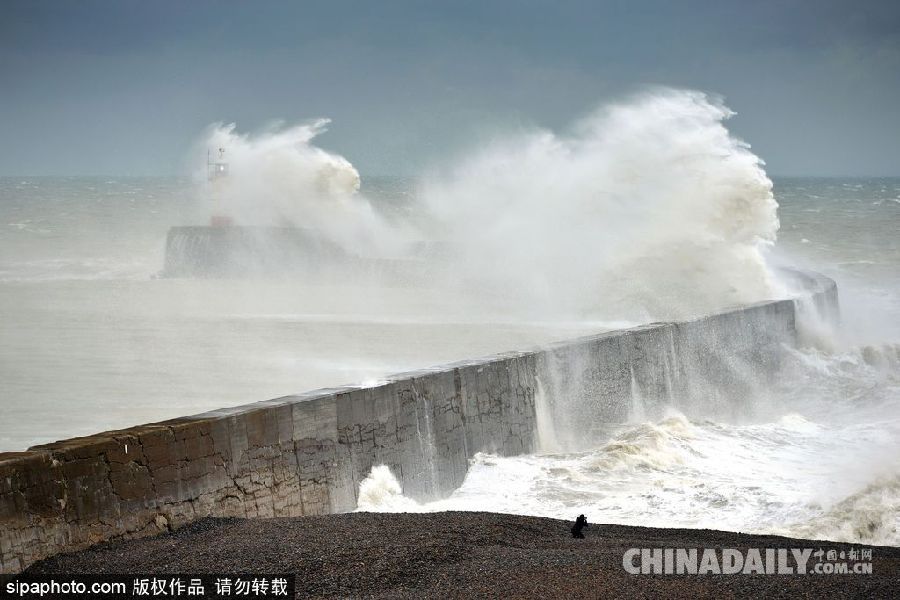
{"type": "Point", "coordinates": [91, 340]}
{"type": "Point", "coordinates": [823, 463]}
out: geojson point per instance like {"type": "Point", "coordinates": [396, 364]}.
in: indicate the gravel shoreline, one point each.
{"type": "Point", "coordinates": [463, 554]}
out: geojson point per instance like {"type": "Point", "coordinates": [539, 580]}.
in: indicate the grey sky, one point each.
{"type": "Point", "coordinates": [124, 87]}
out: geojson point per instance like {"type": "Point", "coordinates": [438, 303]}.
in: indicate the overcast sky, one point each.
{"type": "Point", "coordinates": [124, 87]}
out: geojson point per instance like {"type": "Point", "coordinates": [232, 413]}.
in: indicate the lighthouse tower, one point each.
{"type": "Point", "coordinates": [217, 174]}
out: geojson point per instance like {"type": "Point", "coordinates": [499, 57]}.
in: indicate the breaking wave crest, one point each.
{"type": "Point", "coordinates": [647, 446]}
{"type": "Point", "coordinates": [667, 212]}
{"type": "Point", "coordinates": [654, 198]}
{"type": "Point", "coordinates": [381, 492]}
{"type": "Point", "coordinates": [280, 177]}
{"type": "Point", "coordinates": [870, 516]}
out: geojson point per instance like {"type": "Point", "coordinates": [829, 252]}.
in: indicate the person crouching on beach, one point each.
{"type": "Point", "coordinates": [580, 523]}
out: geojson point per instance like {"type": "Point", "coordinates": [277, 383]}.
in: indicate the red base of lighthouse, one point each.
{"type": "Point", "coordinates": [220, 221]}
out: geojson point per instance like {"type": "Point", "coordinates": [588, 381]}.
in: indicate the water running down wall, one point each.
{"type": "Point", "coordinates": [306, 454]}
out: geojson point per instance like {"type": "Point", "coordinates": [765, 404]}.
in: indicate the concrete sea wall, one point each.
{"type": "Point", "coordinates": [306, 454]}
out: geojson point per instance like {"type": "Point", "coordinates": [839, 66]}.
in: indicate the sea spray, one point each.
{"type": "Point", "coordinates": [426, 441]}
{"type": "Point", "coordinates": [279, 177]}
{"type": "Point", "coordinates": [779, 472]}
{"type": "Point", "coordinates": [870, 516]}
{"type": "Point", "coordinates": [648, 209]}
{"type": "Point", "coordinates": [381, 492]}
{"type": "Point", "coordinates": [544, 422]}
{"type": "Point", "coordinates": [637, 412]}
{"type": "Point", "coordinates": [822, 462]}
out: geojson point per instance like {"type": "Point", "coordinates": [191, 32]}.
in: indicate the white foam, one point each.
{"type": "Point", "coordinates": [821, 465]}
{"type": "Point", "coordinates": [650, 209]}
{"type": "Point", "coordinates": [280, 177]}
{"type": "Point", "coordinates": [381, 492]}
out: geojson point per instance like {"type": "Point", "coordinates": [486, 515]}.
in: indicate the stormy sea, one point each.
{"type": "Point", "coordinates": [646, 211]}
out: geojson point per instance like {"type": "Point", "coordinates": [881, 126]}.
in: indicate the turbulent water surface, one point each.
{"type": "Point", "coordinates": [91, 340]}
{"type": "Point", "coordinates": [549, 237]}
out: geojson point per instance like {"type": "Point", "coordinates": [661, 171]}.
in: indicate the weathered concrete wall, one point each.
{"type": "Point", "coordinates": [710, 367]}
{"type": "Point", "coordinates": [306, 454]}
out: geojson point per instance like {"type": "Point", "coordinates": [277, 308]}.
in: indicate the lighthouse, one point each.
{"type": "Point", "coordinates": [217, 174]}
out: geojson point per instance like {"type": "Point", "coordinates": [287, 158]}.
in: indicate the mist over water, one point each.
{"type": "Point", "coordinates": [645, 210]}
